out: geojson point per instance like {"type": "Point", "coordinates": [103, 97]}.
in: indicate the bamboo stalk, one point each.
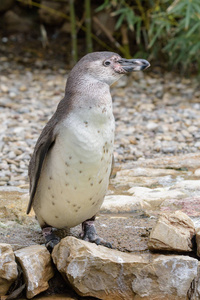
{"type": "Point", "coordinates": [88, 25]}
{"type": "Point", "coordinates": [73, 32]}
{"type": "Point", "coordinates": [125, 40]}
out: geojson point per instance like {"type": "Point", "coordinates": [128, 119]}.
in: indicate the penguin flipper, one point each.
{"type": "Point", "coordinates": [44, 144]}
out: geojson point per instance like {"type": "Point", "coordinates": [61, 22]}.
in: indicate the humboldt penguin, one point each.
{"type": "Point", "coordinates": [71, 164]}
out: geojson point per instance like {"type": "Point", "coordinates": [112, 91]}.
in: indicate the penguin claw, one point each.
{"type": "Point", "coordinates": [51, 243]}
{"type": "Point", "coordinates": [51, 239]}
{"type": "Point", "coordinates": [97, 240]}
{"type": "Point", "coordinates": [89, 234]}
{"type": "Point", "coordinates": [102, 242]}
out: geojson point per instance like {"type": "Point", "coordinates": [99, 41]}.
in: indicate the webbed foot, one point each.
{"type": "Point", "coordinates": [89, 234]}
{"type": "Point", "coordinates": [51, 240]}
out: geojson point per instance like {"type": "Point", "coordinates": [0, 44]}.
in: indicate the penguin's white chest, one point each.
{"type": "Point", "coordinates": [75, 175]}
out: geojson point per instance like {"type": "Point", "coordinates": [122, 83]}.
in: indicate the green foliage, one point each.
{"type": "Point", "coordinates": [166, 31]}
{"type": "Point", "coordinates": [163, 29]}
{"type": "Point", "coordinates": [184, 44]}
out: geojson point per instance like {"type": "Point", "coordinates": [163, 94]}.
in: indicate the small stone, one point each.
{"type": "Point", "coordinates": [37, 268]}
{"type": "Point", "coordinates": [4, 88]}
{"type": "Point", "coordinates": [23, 88]}
{"type": "Point", "coordinates": [152, 126]}
{"type": "Point", "coordinates": [193, 129]}
{"type": "Point", "coordinates": [197, 173]}
{"type": "Point", "coordinates": [173, 232]}
{"type": "Point", "coordinates": [197, 145]}
{"type": "Point", "coordinates": [12, 95]}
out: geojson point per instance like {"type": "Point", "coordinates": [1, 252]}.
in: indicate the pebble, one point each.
{"type": "Point", "coordinates": [197, 173]}
{"type": "Point", "coordinates": [4, 88]}
{"type": "Point", "coordinates": [156, 116]}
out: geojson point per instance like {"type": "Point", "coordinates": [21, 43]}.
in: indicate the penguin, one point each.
{"type": "Point", "coordinates": [71, 164]}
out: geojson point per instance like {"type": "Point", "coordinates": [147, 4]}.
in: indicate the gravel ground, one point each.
{"type": "Point", "coordinates": [157, 114]}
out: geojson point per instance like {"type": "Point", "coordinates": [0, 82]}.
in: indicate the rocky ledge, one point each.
{"type": "Point", "coordinates": [151, 216]}
{"type": "Point", "coordinates": [102, 273]}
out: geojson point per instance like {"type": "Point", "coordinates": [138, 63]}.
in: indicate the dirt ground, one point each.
{"type": "Point", "coordinates": [126, 232]}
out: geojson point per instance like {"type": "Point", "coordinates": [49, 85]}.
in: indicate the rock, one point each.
{"type": "Point", "coordinates": [194, 291]}
{"type": "Point", "coordinates": [152, 126]}
{"type": "Point", "coordinates": [145, 177]}
{"type": "Point", "coordinates": [8, 268]}
{"type": "Point", "coordinates": [197, 173]}
{"type": "Point", "coordinates": [4, 88]}
{"type": "Point", "coordinates": [188, 205]}
{"type": "Point", "coordinates": [135, 181]}
{"type": "Point", "coordinates": [185, 161]}
{"type": "Point", "coordinates": [37, 268]}
{"type": "Point", "coordinates": [188, 185]}
{"type": "Point", "coordinates": [120, 204]}
{"type": "Point", "coordinates": [167, 278]}
{"type": "Point", "coordinates": [148, 172]}
{"type": "Point", "coordinates": [153, 198]}
{"type": "Point", "coordinates": [172, 232]}
{"type": "Point", "coordinates": [109, 274]}
{"type": "Point", "coordinates": [23, 88]}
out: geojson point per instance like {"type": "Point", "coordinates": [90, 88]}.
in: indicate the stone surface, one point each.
{"type": "Point", "coordinates": [8, 268]}
{"type": "Point", "coordinates": [188, 205]}
{"type": "Point", "coordinates": [37, 268]}
{"type": "Point", "coordinates": [120, 204]}
{"type": "Point", "coordinates": [188, 185]}
{"type": "Point", "coordinates": [173, 232]}
{"type": "Point", "coordinates": [181, 162]}
{"type": "Point", "coordinates": [151, 199]}
{"type": "Point", "coordinates": [194, 292]}
{"type": "Point", "coordinates": [109, 274]}
{"type": "Point", "coordinates": [197, 173]}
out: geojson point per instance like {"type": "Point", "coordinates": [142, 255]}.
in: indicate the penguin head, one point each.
{"type": "Point", "coordinates": [108, 67]}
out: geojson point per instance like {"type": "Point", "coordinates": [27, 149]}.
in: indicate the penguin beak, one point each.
{"type": "Point", "coordinates": [130, 65]}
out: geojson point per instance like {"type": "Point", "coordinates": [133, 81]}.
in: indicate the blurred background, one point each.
{"type": "Point", "coordinates": [165, 32]}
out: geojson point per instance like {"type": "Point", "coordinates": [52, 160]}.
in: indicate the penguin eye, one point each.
{"type": "Point", "coordinates": [107, 63]}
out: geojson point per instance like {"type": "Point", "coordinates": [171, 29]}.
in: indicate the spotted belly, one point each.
{"type": "Point", "coordinates": [74, 179]}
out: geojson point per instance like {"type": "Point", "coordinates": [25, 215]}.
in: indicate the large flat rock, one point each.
{"type": "Point", "coordinates": [109, 274]}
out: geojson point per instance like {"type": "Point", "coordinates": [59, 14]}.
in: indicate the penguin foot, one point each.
{"type": "Point", "coordinates": [51, 239]}
{"type": "Point", "coordinates": [89, 234]}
